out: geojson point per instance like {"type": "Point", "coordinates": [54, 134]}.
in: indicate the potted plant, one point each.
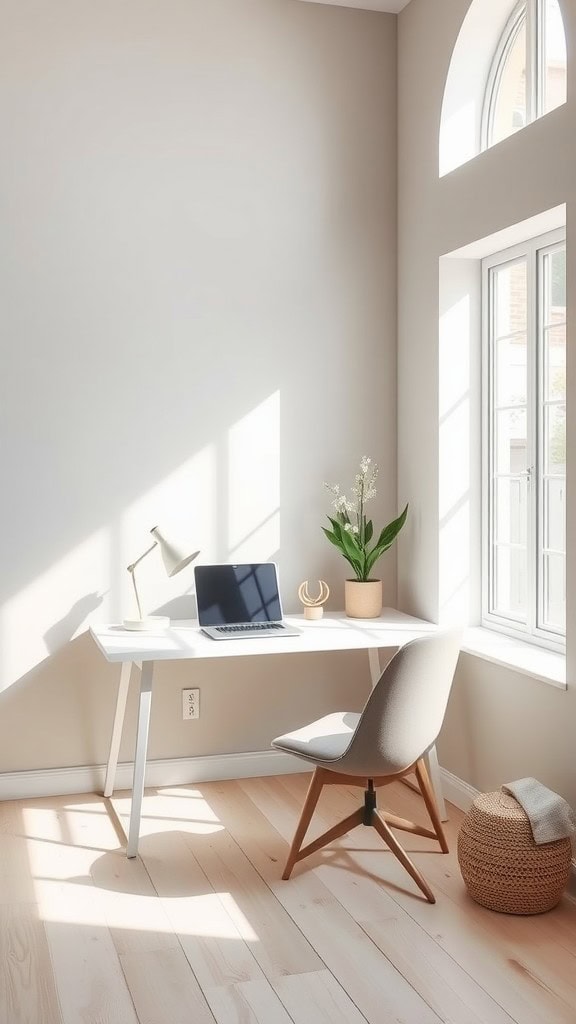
{"type": "Point", "coordinates": [352, 533]}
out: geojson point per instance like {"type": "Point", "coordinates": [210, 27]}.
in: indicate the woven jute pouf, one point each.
{"type": "Point", "coordinates": [502, 866]}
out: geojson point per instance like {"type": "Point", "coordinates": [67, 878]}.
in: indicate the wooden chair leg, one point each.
{"type": "Point", "coordinates": [354, 819]}
{"type": "Point", "coordinates": [430, 801]}
{"type": "Point", "coordinates": [391, 841]}
{"type": "Point", "coordinates": [314, 790]}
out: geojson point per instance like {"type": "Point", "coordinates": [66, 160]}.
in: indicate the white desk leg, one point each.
{"type": "Point", "coordinates": [431, 758]}
{"type": "Point", "coordinates": [140, 756]}
{"type": "Point", "coordinates": [374, 661]}
{"type": "Point", "coordinates": [117, 727]}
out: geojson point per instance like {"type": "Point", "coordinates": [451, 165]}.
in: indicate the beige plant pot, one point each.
{"type": "Point", "coordinates": [363, 600]}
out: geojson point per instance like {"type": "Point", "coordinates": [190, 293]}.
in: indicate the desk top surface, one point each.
{"type": "Point", "coordinates": [334, 632]}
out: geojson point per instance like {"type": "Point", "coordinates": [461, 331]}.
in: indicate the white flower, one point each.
{"type": "Point", "coordinates": [362, 491]}
{"type": "Point", "coordinates": [350, 529]}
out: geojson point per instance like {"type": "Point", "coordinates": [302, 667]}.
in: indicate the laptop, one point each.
{"type": "Point", "coordinates": [240, 601]}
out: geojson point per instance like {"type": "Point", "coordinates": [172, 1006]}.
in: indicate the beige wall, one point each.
{"type": "Point", "coordinates": [198, 222]}
{"type": "Point", "coordinates": [500, 725]}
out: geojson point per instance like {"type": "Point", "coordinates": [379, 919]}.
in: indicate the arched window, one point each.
{"type": "Point", "coordinates": [528, 74]}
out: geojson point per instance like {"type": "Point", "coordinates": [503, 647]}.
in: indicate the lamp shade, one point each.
{"type": "Point", "coordinates": [174, 557]}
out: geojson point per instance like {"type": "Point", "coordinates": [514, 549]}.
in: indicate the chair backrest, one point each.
{"type": "Point", "coordinates": [406, 708]}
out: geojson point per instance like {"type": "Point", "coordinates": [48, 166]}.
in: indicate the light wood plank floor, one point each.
{"type": "Point", "coordinates": [201, 928]}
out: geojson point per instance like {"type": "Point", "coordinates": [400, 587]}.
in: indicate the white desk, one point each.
{"type": "Point", "coordinates": [335, 632]}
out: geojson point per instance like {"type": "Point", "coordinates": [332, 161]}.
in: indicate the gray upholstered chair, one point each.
{"type": "Point", "coordinates": [386, 742]}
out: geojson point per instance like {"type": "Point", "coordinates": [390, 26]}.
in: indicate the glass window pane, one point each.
{"type": "Point", "coordinates": [510, 445]}
{"type": "Point", "coordinates": [555, 515]}
{"type": "Point", "coordinates": [555, 363]}
{"type": "Point", "coordinates": [555, 439]}
{"type": "Point", "coordinates": [554, 85]}
{"type": "Point", "coordinates": [527, 433]}
{"type": "Point", "coordinates": [510, 112]}
{"type": "Point", "coordinates": [510, 582]}
{"type": "Point", "coordinates": [554, 605]}
{"type": "Point", "coordinates": [510, 369]}
{"type": "Point", "coordinates": [554, 269]}
{"type": "Point", "coordinates": [511, 511]}
{"type": "Point", "coordinates": [510, 299]}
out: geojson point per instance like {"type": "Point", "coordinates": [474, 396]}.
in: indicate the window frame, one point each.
{"type": "Point", "coordinates": [533, 13]}
{"type": "Point", "coordinates": [533, 251]}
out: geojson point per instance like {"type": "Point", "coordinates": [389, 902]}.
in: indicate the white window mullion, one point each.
{"type": "Point", "coordinates": [532, 454]}
{"type": "Point", "coordinates": [487, 573]}
{"type": "Point", "coordinates": [504, 597]}
{"type": "Point", "coordinates": [544, 627]}
{"type": "Point", "coordinates": [534, 59]}
{"type": "Point", "coordinates": [540, 407]}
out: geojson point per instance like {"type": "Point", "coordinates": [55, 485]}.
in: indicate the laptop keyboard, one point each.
{"type": "Point", "coordinates": [250, 627]}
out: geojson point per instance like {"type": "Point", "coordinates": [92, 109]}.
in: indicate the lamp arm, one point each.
{"type": "Point", "coordinates": [131, 569]}
{"type": "Point", "coordinates": [136, 592]}
{"type": "Point", "coordinates": [138, 560]}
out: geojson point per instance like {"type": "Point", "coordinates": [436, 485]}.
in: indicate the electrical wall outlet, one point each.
{"type": "Point", "coordinates": [190, 704]}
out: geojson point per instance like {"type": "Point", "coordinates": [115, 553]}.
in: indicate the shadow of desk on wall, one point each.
{"type": "Point", "coordinates": [184, 641]}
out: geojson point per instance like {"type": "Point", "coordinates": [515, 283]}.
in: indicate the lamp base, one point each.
{"type": "Point", "coordinates": [151, 622]}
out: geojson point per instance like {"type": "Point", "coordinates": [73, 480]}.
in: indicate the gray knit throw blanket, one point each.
{"type": "Point", "coordinates": [550, 816]}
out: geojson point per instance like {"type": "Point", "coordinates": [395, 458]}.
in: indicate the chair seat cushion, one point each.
{"type": "Point", "coordinates": [327, 739]}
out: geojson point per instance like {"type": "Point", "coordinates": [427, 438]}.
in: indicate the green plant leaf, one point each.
{"type": "Point", "coordinates": [337, 541]}
{"type": "Point", "coordinates": [390, 532]}
{"type": "Point", "coordinates": [333, 538]}
{"type": "Point", "coordinates": [351, 545]}
{"type": "Point", "coordinates": [372, 558]}
{"type": "Point", "coordinates": [385, 540]}
{"type": "Point", "coordinates": [329, 533]}
{"type": "Point", "coordinates": [355, 566]}
{"type": "Point", "coordinates": [353, 562]}
{"type": "Point", "coordinates": [337, 526]}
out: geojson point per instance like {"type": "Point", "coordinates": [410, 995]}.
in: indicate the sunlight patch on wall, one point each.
{"type": "Point", "coordinates": [185, 507]}
{"type": "Point", "coordinates": [254, 483]}
{"type": "Point", "coordinates": [458, 437]}
{"type": "Point", "coordinates": [454, 583]}
{"type": "Point", "coordinates": [224, 501]}
{"type": "Point", "coordinates": [54, 608]}
{"type": "Point", "coordinates": [454, 391]}
{"type": "Point", "coordinates": [458, 137]}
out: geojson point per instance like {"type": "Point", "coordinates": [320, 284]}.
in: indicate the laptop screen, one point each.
{"type": "Point", "coordinates": [230, 594]}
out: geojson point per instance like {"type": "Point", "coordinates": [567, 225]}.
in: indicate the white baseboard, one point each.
{"type": "Point", "coordinates": [458, 792]}
{"type": "Point", "coordinates": [174, 772]}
